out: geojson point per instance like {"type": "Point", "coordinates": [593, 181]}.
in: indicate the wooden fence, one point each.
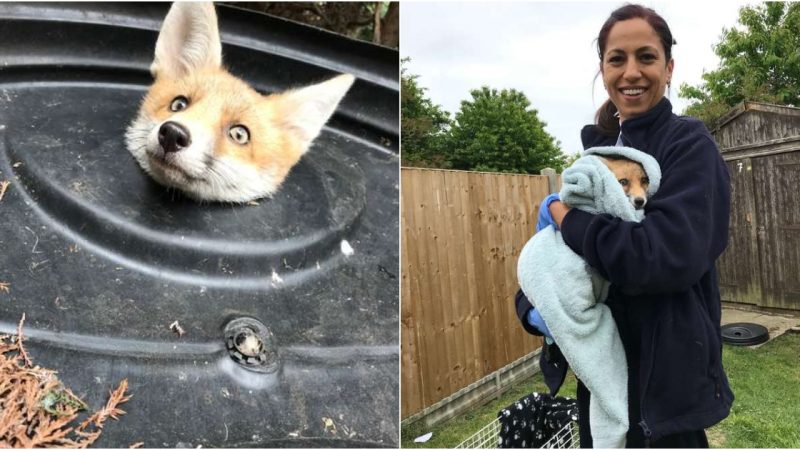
{"type": "Point", "coordinates": [462, 233]}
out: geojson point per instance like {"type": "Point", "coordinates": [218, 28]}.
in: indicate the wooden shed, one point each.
{"type": "Point", "coordinates": [761, 144]}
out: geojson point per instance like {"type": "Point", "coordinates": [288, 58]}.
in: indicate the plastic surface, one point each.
{"type": "Point", "coordinates": [102, 260]}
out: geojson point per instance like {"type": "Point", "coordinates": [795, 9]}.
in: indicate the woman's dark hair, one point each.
{"type": "Point", "coordinates": [606, 118]}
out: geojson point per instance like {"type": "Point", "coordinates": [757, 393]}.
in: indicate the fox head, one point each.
{"type": "Point", "coordinates": [632, 177]}
{"type": "Point", "coordinates": [208, 133]}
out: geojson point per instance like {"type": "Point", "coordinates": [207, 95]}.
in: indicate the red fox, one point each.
{"type": "Point", "coordinates": [631, 176]}
{"type": "Point", "coordinates": [208, 133]}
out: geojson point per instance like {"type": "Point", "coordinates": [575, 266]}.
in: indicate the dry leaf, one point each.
{"type": "Point", "coordinates": [3, 187]}
{"type": "Point", "coordinates": [22, 351]}
{"type": "Point", "coordinates": [36, 410]}
{"type": "Point", "coordinates": [177, 328]}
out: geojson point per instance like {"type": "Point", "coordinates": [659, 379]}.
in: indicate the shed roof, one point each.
{"type": "Point", "coordinates": [743, 107]}
{"type": "Point", "coordinates": [751, 125]}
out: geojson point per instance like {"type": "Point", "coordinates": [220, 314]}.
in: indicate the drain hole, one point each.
{"type": "Point", "coordinates": [248, 343]}
{"type": "Point", "coordinates": [251, 345]}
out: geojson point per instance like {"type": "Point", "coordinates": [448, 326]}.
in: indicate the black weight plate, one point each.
{"type": "Point", "coordinates": [743, 333]}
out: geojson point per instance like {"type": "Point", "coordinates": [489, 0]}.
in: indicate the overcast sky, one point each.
{"type": "Point", "coordinates": [546, 50]}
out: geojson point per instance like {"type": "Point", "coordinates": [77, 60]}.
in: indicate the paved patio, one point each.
{"type": "Point", "coordinates": [776, 322]}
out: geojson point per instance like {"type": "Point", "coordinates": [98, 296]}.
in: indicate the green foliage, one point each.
{"type": "Point", "coordinates": [571, 158]}
{"type": "Point", "coordinates": [498, 132]}
{"type": "Point", "coordinates": [760, 62]}
{"type": "Point", "coordinates": [422, 125]}
{"type": "Point", "coordinates": [493, 132]}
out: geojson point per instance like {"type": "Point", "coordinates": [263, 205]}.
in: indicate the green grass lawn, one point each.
{"type": "Point", "coordinates": [765, 414]}
{"type": "Point", "coordinates": [766, 383]}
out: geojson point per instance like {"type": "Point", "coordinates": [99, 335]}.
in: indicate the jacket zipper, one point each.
{"type": "Point", "coordinates": [643, 423]}
{"type": "Point", "coordinates": [647, 433]}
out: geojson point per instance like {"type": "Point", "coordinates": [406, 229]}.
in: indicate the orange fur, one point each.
{"type": "Point", "coordinates": [631, 176]}
{"type": "Point", "coordinates": [210, 134]}
{"type": "Point", "coordinates": [218, 101]}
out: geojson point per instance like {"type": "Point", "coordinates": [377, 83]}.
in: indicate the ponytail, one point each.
{"type": "Point", "coordinates": [607, 119]}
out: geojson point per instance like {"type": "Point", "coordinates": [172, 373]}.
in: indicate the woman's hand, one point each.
{"type": "Point", "coordinates": [558, 210]}
{"type": "Point", "coordinates": [536, 321]}
{"type": "Point", "coordinates": [545, 219]}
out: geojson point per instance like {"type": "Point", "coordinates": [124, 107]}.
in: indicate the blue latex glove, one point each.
{"type": "Point", "coordinates": [536, 321]}
{"type": "Point", "coordinates": [545, 218]}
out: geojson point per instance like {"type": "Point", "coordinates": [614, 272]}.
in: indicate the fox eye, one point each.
{"type": "Point", "coordinates": [179, 103]}
{"type": "Point", "coordinates": [623, 181]}
{"type": "Point", "coordinates": [239, 134]}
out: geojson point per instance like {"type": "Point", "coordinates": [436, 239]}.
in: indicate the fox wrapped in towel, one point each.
{"type": "Point", "coordinates": [569, 294]}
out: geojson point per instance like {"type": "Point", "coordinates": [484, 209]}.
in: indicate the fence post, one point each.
{"type": "Point", "coordinates": [551, 179]}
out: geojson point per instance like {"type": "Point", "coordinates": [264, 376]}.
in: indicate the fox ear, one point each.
{"type": "Point", "coordinates": [189, 40]}
{"type": "Point", "coordinates": [304, 111]}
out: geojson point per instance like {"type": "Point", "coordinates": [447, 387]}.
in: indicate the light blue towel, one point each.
{"type": "Point", "coordinates": [569, 294]}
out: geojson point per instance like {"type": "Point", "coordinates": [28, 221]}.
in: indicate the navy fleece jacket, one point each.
{"type": "Point", "coordinates": [664, 295]}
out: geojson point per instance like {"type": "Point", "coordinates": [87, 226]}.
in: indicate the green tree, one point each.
{"type": "Point", "coordinates": [571, 158]}
{"type": "Point", "coordinates": [499, 132]}
{"type": "Point", "coordinates": [422, 125]}
{"type": "Point", "coordinates": [760, 62]}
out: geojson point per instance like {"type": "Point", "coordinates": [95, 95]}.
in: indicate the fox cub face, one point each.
{"type": "Point", "coordinates": [632, 177]}
{"type": "Point", "coordinates": [208, 133]}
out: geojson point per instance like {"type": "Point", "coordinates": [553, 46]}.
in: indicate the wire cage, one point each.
{"type": "Point", "coordinates": [566, 437]}
{"type": "Point", "coordinates": [489, 437]}
{"type": "Point", "coordinates": [486, 437]}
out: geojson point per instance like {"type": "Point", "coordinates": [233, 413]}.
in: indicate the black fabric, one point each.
{"type": "Point", "coordinates": [664, 295]}
{"type": "Point", "coordinates": [688, 439]}
{"type": "Point", "coordinates": [554, 366]}
{"type": "Point", "coordinates": [584, 430]}
{"type": "Point", "coordinates": [551, 361]}
{"type": "Point", "coordinates": [523, 306]}
{"type": "Point", "coordinates": [534, 419]}
{"type": "Point", "coordinates": [635, 437]}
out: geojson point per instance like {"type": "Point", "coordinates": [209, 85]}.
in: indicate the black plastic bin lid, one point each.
{"type": "Point", "coordinates": [289, 337]}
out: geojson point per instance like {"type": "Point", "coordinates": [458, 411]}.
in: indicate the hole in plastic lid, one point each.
{"type": "Point", "coordinates": [251, 345]}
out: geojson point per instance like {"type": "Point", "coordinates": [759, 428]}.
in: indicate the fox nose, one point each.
{"type": "Point", "coordinates": [638, 202]}
{"type": "Point", "coordinates": [173, 137]}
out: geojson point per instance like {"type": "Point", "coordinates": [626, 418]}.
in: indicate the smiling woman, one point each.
{"type": "Point", "coordinates": [664, 296]}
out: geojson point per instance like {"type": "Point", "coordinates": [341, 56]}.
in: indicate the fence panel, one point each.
{"type": "Point", "coordinates": [778, 208]}
{"type": "Point", "coordinates": [462, 233]}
